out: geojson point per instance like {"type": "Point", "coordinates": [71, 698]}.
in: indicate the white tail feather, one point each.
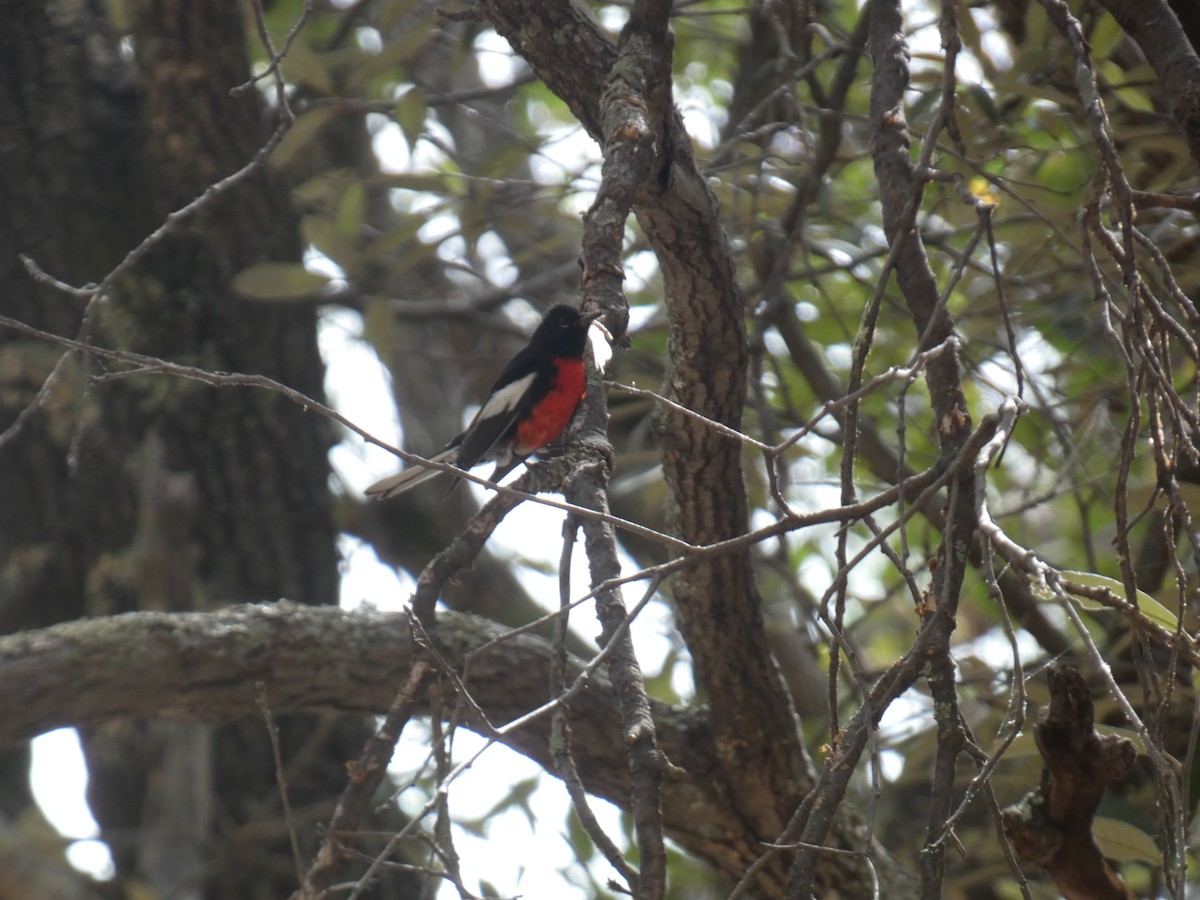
{"type": "Point", "coordinates": [402, 481]}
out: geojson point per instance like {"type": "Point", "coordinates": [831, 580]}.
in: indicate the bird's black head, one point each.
{"type": "Point", "coordinates": [564, 331]}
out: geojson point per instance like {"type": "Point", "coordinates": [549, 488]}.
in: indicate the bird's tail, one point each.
{"type": "Point", "coordinates": [397, 484]}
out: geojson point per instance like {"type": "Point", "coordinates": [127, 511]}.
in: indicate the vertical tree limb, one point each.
{"type": "Point", "coordinates": [633, 110]}
{"type": "Point", "coordinates": [1158, 32]}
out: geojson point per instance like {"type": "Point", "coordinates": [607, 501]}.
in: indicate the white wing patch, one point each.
{"type": "Point", "coordinates": [506, 399]}
{"type": "Point", "coordinates": [601, 343]}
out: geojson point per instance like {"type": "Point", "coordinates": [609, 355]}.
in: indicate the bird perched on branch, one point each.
{"type": "Point", "coordinates": [528, 407]}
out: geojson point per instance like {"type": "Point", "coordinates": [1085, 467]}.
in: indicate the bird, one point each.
{"type": "Point", "coordinates": [528, 407]}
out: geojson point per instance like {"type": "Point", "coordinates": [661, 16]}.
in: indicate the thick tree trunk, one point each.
{"type": "Point", "coordinates": [144, 492]}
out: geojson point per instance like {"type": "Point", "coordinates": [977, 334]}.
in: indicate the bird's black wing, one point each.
{"type": "Point", "coordinates": [509, 399]}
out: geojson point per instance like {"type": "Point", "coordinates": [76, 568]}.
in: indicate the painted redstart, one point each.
{"type": "Point", "coordinates": [527, 408]}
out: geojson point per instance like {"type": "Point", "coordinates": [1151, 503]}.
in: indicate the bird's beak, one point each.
{"type": "Point", "coordinates": [592, 316]}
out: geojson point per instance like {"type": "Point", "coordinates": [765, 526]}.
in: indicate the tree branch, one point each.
{"type": "Point", "coordinates": [206, 666]}
{"type": "Point", "coordinates": [900, 193]}
{"type": "Point", "coordinates": [1052, 826]}
{"type": "Point", "coordinates": [634, 109]}
{"type": "Point", "coordinates": [1157, 31]}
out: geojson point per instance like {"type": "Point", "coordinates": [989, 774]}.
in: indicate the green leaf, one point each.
{"type": "Point", "coordinates": [1104, 37]}
{"type": "Point", "coordinates": [983, 97]}
{"type": "Point", "coordinates": [1137, 98]}
{"type": "Point", "coordinates": [1064, 173]}
{"type": "Point", "coordinates": [304, 65]}
{"type": "Point", "coordinates": [351, 211]}
{"type": "Point", "coordinates": [518, 796]}
{"type": "Point", "coordinates": [1123, 842]}
{"type": "Point", "coordinates": [303, 130]}
{"type": "Point", "coordinates": [322, 232]}
{"type": "Point", "coordinates": [410, 114]}
{"type": "Point", "coordinates": [395, 54]}
{"type": "Point", "coordinates": [400, 237]}
{"type": "Point", "coordinates": [379, 324]}
{"type": "Point", "coordinates": [1149, 607]}
{"type": "Point", "coordinates": [580, 841]}
{"type": "Point", "coordinates": [324, 189]}
{"type": "Point", "coordinates": [278, 281]}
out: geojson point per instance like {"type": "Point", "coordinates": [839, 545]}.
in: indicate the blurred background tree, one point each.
{"type": "Point", "coordinates": [1041, 227]}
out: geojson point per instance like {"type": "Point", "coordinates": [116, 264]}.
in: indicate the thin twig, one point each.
{"type": "Point", "coordinates": [276, 59]}
{"type": "Point", "coordinates": [260, 689]}
{"type": "Point", "coordinates": [368, 773]}
{"type": "Point", "coordinates": [560, 733]}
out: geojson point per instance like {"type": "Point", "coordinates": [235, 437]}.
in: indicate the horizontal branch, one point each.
{"type": "Point", "coordinates": [207, 666]}
{"type": "Point", "coordinates": [200, 666]}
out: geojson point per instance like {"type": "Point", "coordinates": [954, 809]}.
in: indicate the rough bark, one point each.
{"type": "Point", "coordinates": [1052, 826]}
{"type": "Point", "coordinates": [143, 492]}
{"type": "Point", "coordinates": [54, 109]}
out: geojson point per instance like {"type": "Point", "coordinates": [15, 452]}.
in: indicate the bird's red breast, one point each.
{"type": "Point", "coordinates": [547, 419]}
